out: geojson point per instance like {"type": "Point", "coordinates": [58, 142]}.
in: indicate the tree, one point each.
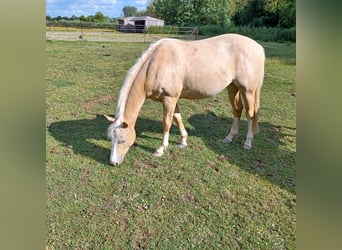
{"type": "Point", "coordinates": [129, 11]}
{"type": "Point", "coordinates": [90, 18]}
{"type": "Point", "coordinates": [191, 12]}
{"type": "Point", "coordinates": [170, 11]}
{"type": "Point", "coordinates": [99, 17]}
{"type": "Point", "coordinates": [83, 18]}
{"type": "Point", "coordinates": [287, 13]}
{"type": "Point", "coordinates": [73, 17]}
{"type": "Point", "coordinates": [270, 13]}
{"type": "Point", "coordinates": [150, 9]}
{"type": "Point", "coordinates": [140, 13]}
{"type": "Point", "coordinates": [249, 12]}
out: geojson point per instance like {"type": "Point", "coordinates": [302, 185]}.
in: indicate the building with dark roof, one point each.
{"type": "Point", "coordinates": [138, 24]}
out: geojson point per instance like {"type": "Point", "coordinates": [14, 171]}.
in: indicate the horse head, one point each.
{"type": "Point", "coordinates": [122, 136]}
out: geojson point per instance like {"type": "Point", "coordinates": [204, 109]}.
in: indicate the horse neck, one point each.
{"type": "Point", "coordinates": [133, 92]}
{"type": "Point", "coordinates": [134, 102]}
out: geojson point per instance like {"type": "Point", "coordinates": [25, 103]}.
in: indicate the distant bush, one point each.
{"type": "Point", "coordinates": [258, 33]}
{"type": "Point", "coordinates": [287, 34]}
{"type": "Point", "coordinates": [79, 24]}
{"type": "Point", "coordinates": [212, 30]}
{"type": "Point", "coordinates": [162, 30]}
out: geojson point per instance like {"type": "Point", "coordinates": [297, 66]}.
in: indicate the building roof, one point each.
{"type": "Point", "coordinates": [141, 18]}
{"type": "Point", "coordinates": [129, 18]}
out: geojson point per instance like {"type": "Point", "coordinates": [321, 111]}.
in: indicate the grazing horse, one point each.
{"type": "Point", "coordinates": [171, 69]}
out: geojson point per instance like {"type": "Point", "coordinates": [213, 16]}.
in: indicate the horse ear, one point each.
{"type": "Point", "coordinates": [124, 125]}
{"type": "Point", "coordinates": [111, 119]}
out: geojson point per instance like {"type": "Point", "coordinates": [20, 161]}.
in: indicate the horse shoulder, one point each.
{"type": "Point", "coordinates": [164, 71]}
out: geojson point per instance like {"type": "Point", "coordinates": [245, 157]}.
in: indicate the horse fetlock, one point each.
{"type": "Point", "coordinates": [159, 151]}
{"type": "Point", "coordinates": [247, 146]}
{"type": "Point", "coordinates": [229, 138]}
{"type": "Point", "coordinates": [248, 143]}
{"type": "Point", "coordinates": [182, 145]}
{"type": "Point", "coordinates": [157, 154]}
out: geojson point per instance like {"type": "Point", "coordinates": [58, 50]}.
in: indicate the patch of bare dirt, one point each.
{"type": "Point", "coordinates": [101, 36]}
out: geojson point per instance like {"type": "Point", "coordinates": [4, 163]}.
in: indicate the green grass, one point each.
{"type": "Point", "coordinates": [209, 195]}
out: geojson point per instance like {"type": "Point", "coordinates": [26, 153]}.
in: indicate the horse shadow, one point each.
{"type": "Point", "coordinates": [268, 158]}
{"type": "Point", "coordinates": [81, 135]}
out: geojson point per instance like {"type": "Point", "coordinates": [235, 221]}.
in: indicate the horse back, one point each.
{"type": "Point", "coordinates": [203, 68]}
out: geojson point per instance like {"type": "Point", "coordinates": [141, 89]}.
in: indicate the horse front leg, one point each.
{"type": "Point", "coordinates": [178, 118]}
{"type": "Point", "coordinates": [169, 104]}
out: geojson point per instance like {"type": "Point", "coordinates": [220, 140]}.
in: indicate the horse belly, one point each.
{"type": "Point", "coordinates": [203, 88]}
{"type": "Point", "coordinates": [208, 72]}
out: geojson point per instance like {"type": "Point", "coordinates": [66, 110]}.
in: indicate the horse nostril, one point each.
{"type": "Point", "coordinates": [113, 163]}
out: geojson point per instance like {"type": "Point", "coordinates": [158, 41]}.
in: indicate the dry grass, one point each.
{"type": "Point", "coordinates": [102, 35]}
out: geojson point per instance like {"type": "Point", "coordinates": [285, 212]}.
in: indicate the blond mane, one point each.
{"type": "Point", "coordinates": [129, 79]}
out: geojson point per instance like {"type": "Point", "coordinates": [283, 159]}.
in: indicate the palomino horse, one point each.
{"type": "Point", "coordinates": [171, 69]}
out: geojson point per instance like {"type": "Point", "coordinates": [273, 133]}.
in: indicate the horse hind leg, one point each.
{"type": "Point", "coordinates": [169, 104]}
{"type": "Point", "coordinates": [237, 106]}
{"type": "Point", "coordinates": [178, 119]}
{"type": "Point", "coordinates": [252, 117]}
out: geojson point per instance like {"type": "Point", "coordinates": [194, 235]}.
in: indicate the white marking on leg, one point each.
{"type": "Point", "coordinates": [183, 143]}
{"type": "Point", "coordinates": [184, 134]}
{"type": "Point", "coordinates": [166, 140]}
{"type": "Point", "coordinates": [177, 115]}
{"type": "Point", "coordinates": [160, 151]}
{"type": "Point", "coordinates": [250, 135]}
{"type": "Point", "coordinates": [234, 131]}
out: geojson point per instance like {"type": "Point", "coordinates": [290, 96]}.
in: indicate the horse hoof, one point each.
{"type": "Point", "coordinates": [157, 154]}
{"type": "Point", "coordinates": [181, 145]}
{"type": "Point", "coordinates": [227, 140]}
{"type": "Point", "coordinates": [248, 147]}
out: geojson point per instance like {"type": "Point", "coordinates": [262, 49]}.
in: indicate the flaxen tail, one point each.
{"type": "Point", "coordinates": [255, 126]}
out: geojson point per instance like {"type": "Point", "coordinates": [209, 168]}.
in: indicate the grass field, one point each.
{"type": "Point", "coordinates": [208, 195]}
